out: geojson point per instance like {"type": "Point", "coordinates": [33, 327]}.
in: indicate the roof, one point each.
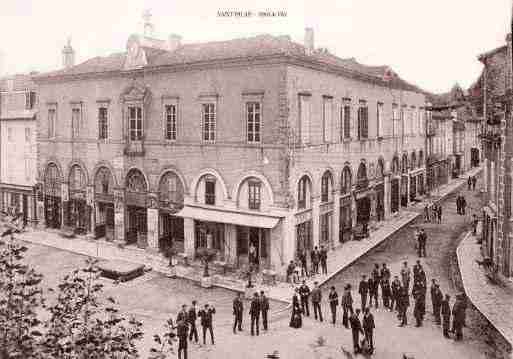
{"type": "Point", "coordinates": [487, 54]}
{"type": "Point", "coordinates": [242, 48]}
{"type": "Point", "coordinates": [21, 82]}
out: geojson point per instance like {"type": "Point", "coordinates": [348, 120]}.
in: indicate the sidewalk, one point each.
{"type": "Point", "coordinates": [495, 302]}
{"type": "Point", "coordinates": [338, 259]}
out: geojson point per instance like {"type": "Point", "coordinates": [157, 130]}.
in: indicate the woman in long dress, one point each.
{"type": "Point", "coordinates": [295, 318]}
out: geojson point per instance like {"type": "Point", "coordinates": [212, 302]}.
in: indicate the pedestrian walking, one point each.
{"type": "Point", "coordinates": [463, 205]}
{"type": "Point", "coordinates": [323, 256]}
{"type": "Point", "coordinates": [385, 272]}
{"type": "Point", "coordinates": [434, 213]}
{"type": "Point", "coordinates": [446, 315]}
{"type": "Point", "coordinates": [316, 296]}
{"type": "Point", "coordinates": [206, 316]}
{"type": "Point", "coordinates": [356, 329]}
{"type": "Point", "coordinates": [436, 299]}
{"type": "Point", "coordinates": [290, 271]}
{"type": "Point", "coordinates": [474, 181]}
{"type": "Point", "coordinates": [376, 273]}
{"type": "Point", "coordinates": [315, 258]}
{"type": "Point", "coordinates": [182, 314]}
{"type": "Point", "coordinates": [418, 273]}
{"type": "Point", "coordinates": [264, 309]}
{"type": "Point", "coordinates": [386, 292]}
{"type": "Point", "coordinates": [439, 213]}
{"type": "Point", "coordinates": [458, 318]}
{"type": "Point", "coordinates": [426, 213]}
{"type": "Point", "coordinates": [304, 267]}
{"type": "Point", "coordinates": [373, 291]}
{"type": "Point", "coordinates": [254, 313]}
{"type": "Point", "coordinates": [405, 276]}
{"type": "Point", "coordinates": [333, 300]}
{"type": "Point", "coordinates": [420, 303]}
{"type": "Point", "coordinates": [191, 318]}
{"type": "Point", "coordinates": [304, 293]}
{"type": "Point", "coordinates": [363, 290]}
{"type": "Point", "coordinates": [458, 204]}
{"type": "Point", "coordinates": [404, 303]}
{"type": "Point", "coordinates": [295, 317]}
{"type": "Point", "coordinates": [347, 305]}
{"type": "Point", "coordinates": [422, 243]}
{"type": "Point", "coordinates": [469, 183]}
{"type": "Point", "coordinates": [368, 328]}
{"type": "Point", "coordinates": [396, 292]}
{"type": "Point", "coordinates": [475, 222]}
{"type": "Point", "coordinates": [181, 333]}
{"type": "Point", "coordinates": [238, 310]}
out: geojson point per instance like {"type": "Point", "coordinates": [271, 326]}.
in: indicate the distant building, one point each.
{"type": "Point", "coordinates": [498, 149]}
{"type": "Point", "coordinates": [18, 113]}
{"type": "Point", "coordinates": [258, 143]}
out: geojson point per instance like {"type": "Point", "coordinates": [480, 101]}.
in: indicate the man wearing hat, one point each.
{"type": "Point", "coordinates": [333, 299]}
{"type": "Point", "coordinates": [347, 305]}
{"type": "Point", "coordinates": [264, 308]}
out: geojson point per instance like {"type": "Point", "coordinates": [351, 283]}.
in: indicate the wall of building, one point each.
{"type": "Point", "coordinates": [18, 152]}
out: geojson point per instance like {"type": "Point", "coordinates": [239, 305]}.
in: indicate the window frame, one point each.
{"type": "Point", "coordinates": [304, 117]}
{"type": "Point", "coordinates": [212, 122]}
{"type": "Point", "coordinates": [325, 187]}
{"type": "Point", "coordinates": [135, 134]}
{"type": "Point", "coordinates": [28, 135]}
{"type": "Point", "coordinates": [346, 118]}
{"type": "Point", "coordinates": [301, 192]}
{"type": "Point", "coordinates": [379, 119]}
{"type": "Point", "coordinates": [170, 121]}
{"type": "Point", "coordinates": [251, 129]}
{"type": "Point", "coordinates": [103, 122]}
{"type": "Point", "coordinates": [51, 120]}
{"type": "Point", "coordinates": [254, 195]}
{"type": "Point", "coordinates": [363, 120]}
{"type": "Point", "coordinates": [210, 198]}
{"type": "Point", "coordinates": [327, 118]}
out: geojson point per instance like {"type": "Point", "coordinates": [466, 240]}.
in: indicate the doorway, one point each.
{"type": "Point", "coordinates": [53, 212]}
{"type": "Point", "coordinates": [171, 231]}
{"type": "Point", "coordinates": [304, 237]}
{"type": "Point", "coordinates": [105, 221]}
{"type": "Point", "coordinates": [394, 199]}
{"type": "Point", "coordinates": [137, 223]}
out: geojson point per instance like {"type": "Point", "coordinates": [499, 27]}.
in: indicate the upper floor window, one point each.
{"type": "Point", "coordinates": [379, 120]}
{"type": "Point", "coordinates": [27, 134]}
{"type": "Point", "coordinates": [75, 122]}
{"type": "Point", "coordinates": [51, 122]}
{"type": "Point", "coordinates": [345, 118]}
{"type": "Point", "coordinates": [413, 112]}
{"type": "Point", "coordinates": [30, 100]}
{"type": "Point", "coordinates": [135, 123]}
{"type": "Point", "coordinates": [209, 121]}
{"type": "Point", "coordinates": [210, 190]}
{"type": "Point", "coordinates": [363, 120]}
{"type": "Point", "coordinates": [346, 180]}
{"type": "Point", "coordinates": [253, 121]}
{"type": "Point", "coordinates": [325, 187]}
{"type": "Point", "coordinates": [327, 108]}
{"type": "Point", "coordinates": [103, 126]}
{"type": "Point", "coordinates": [402, 120]}
{"type": "Point", "coordinates": [304, 117]}
{"type": "Point", "coordinates": [302, 191]}
{"type": "Point", "coordinates": [170, 113]}
{"type": "Point", "coordinates": [254, 194]}
{"type": "Point", "coordinates": [395, 120]}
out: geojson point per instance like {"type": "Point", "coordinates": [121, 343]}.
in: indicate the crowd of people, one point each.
{"type": "Point", "coordinates": [379, 288]}
{"type": "Point", "coordinates": [299, 268]}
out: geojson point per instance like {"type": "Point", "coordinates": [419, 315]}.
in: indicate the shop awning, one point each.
{"type": "Point", "coordinates": [241, 219]}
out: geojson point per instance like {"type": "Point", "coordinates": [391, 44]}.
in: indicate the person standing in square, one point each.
{"type": "Point", "coordinates": [264, 308]}
{"type": "Point", "coordinates": [316, 301]}
{"type": "Point", "coordinates": [333, 299]}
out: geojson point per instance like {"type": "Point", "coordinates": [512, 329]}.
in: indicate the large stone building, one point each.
{"type": "Point", "coordinates": [18, 112]}
{"type": "Point", "coordinates": [256, 142]}
{"type": "Point", "coordinates": [497, 143]}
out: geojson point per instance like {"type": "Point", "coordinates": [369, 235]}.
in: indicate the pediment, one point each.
{"type": "Point", "coordinates": [135, 92]}
{"type": "Point", "coordinates": [135, 54]}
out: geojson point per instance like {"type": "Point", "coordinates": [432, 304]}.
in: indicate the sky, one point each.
{"type": "Point", "coordinates": [432, 43]}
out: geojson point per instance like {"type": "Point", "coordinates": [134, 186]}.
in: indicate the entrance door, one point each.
{"type": "Point", "coordinates": [345, 224]}
{"type": "Point", "coordinates": [304, 237]}
{"type": "Point", "coordinates": [137, 223]}
{"type": "Point", "coordinates": [362, 210]}
{"type": "Point", "coordinates": [171, 231]}
{"type": "Point", "coordinates": [78, 215]}
{"type": "Point", "coordinates": [53, 212]}
{"type": "Point", "coordinates": [105, 221]}
{"type": "Point", "coordinates": [394, 195]}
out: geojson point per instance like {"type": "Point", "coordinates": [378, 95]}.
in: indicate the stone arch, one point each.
{"type": "Point", "coordinates": [395, 165]}
{"type": "Point", "coordinates": [178, 198]}
{"type": "Point", "coordinates": [82, 166]}
{"type": "Point", "coordinates": [134, 170]}
{"type": "Point", "coordinates": [98, 171]}
{"type": "Point", "coordinates": [252, 174]}
{"type": "Point", "coordinates": [309, 190]}
{"type": "Point", "coordinates": [83, 181]}
{"type": "Point", "coordinates": [209, 171]}
{"type": "Point", "coordinates": [328, 173]}
{"type": "Point", "coordinates": [49, 162]}
{"type": "Point", "coordinates": [107, 165]}
{"type": "Point", "coordinates": [52, 171]}
{"type": "Point", "coordinates": [361, 174]}
{"type": "Point", "coordinates": [404, 163]}
{"type": "Point", "coordinates": [380, 168]}
{"type": "Point", "coordinates": [179, 174]}
{"type": "Point", "coordinates": [345, 184]}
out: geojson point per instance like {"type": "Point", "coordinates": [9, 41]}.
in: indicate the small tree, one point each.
{"type": "Point", "coordinates": [20, 297]}
{"type": "Point", "coordinates": [81, 326]}
{"type": "Point", "coordinates": [206, 255]}
{"type": "Point", "coordinates": [164, 342]}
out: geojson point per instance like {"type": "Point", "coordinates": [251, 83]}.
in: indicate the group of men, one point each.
{"type": "Point", "coordinates": [461, 204]}
{"type": "Point", "coordinates": [433, 213]}
{"type": "Point", "coordinates": [471, 183]}
{"type": "Point", "coordinates": [259, 306]}
{"type": "Point", "coordinates": [186, 325]}
{"type": "Point", "coordinates": [318, 258]}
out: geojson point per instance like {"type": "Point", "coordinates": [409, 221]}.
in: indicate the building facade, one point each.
{"type": "Point", "coordinates": [258, 145]}
{"type": "Point", "coordinates": [18, 112]}
{"type": "Point", "coordinates": [497, 145]}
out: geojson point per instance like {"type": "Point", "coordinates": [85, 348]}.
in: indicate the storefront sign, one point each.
{"type": "Point", "coordinates": [303, 216]}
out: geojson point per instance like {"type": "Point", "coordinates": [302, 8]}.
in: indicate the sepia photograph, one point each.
{"type": "Point", "coordinates": [240, 179]}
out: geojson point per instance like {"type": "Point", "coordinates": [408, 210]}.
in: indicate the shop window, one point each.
{"type": "Point", "coordinates": [346, 181]}
{"type": "Point", "coordinates": [325, 187]}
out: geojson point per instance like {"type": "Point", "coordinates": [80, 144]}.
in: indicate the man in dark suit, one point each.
{"type": "Point", "coordinates": [264, 308]}
{"type": "Point", "coordinates": [316, 301]}
{"type": "Point", "coordinates": [181, 333]}
{"type": "Point", "coordinates": [182, 314]}
{"type": "Point", "coordinates": [254, 312]}
{"type": "Point", "coordinates": [356, 329]}
{"type": "Point", "coordinates": [304, 293]}
{"type": "Point", "coordinates": [368, 327]}
{"type": "Point", "coordinates": [323, 256]}
{"type": "Point", "coordinates": [191, 319]}
{"type": "Point", "coordinates": [363, 289]}
{"type": "Point", "coordinates": [446, 315]}
{"type": "Point", "coordinates": [206, 316]}
{"type": "Point", "coordinates": [238, 310]}
{"type": "Point", "coordinates": [333, 299]}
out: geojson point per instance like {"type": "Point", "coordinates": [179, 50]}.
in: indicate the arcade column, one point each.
{"type": "Point", "coordinates": [119, 215]}
{"type": "Point", "coordinates": [153, 222]}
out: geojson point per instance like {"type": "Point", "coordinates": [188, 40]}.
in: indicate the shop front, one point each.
{"type": "Point", "coordinates": [404, 190]}
{"type": "Point", "coordinates": [52, 197]}
{"type": "Point", "coordinates": [394, 194]}
{"type": "Point", "coordinates": [104, 204]}
{"type": "Point", "coordinates": [345, 220]}
{"type": "Point", "coordinates": [136, 208]}
{"type": "Point", "coordinates": [363, 207]}
{"type": "Point", "coordinates": [77, 210]}
{"type": "Point", "coordinates": [253, 245]}
{"type": "Point", "coordinates": [379, 190]}
{"type": "Point", "coordinates": [171, 227]}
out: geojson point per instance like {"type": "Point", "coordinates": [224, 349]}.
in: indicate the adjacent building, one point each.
{"type": "Point", "coordinates": [497, 145]}
{"type": "Point", "coordinates": [256, 142]}
{"type": "Point", "coordinates": [18, 114]}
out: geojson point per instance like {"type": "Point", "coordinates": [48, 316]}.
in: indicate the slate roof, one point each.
{"type": "Point", "coordinates": [243, 48]}
{"type": "Point", "coordinates": [21, 82]}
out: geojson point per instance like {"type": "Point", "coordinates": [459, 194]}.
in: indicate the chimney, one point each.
{"type": "Point", "coordinates": [173, 42]}
{"type": "Point", "coordinates": [309, 40]}
{"type": "Point", "coordinates": [68, 55]}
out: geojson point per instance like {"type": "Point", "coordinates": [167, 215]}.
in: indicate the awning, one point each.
{"type": "Point", "coordinates": [18, 114]}
{"type": "Point", "coordinates": [241, 219]}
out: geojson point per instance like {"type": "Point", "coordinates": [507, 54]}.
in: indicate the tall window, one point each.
{"type": "Point", "coordinates": [345, 118]}
{"type": "Point", "coordinates": [412, 119]}
{"type": "Point", "coordinates": [363, 120]}
{"type": "Point", "coordinates": [254, 196]}
{"type": "Point", "coordinates": [253, 118]}
{"type": "Point", "coordinates": [51, 122]}
{"type": "Point", "coordinates": [210, 191]}
{"type": "Point", "coordinates": [379, 120]}
{"type": "Point", "coordinates": [346, 182]}
{"type": "Point", "coordinates": [170, 122]}
{"type": "Point", "coordinates": [327, 108]}
{"type": "Point", "coordinates": [395, 120]}
{"type": "Point", "coordinates": [302, 192]}
{"type": "Point", "coordinates": [304, 118]}
{"type": "Point", "coordinates": [135, 123]}
{"type": "Point", "coordinates": [30, 100]}
{"type": "Point", "coordinates": [102, 123]}
{"type": "Point", "coordinates": [402, 120]}
{"type": "Point", "coordinates": [75, 122]}
{"type": "Point", "coordinates": [325, 187]}
{"type": "Point", "coordinates": [209, 121]}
